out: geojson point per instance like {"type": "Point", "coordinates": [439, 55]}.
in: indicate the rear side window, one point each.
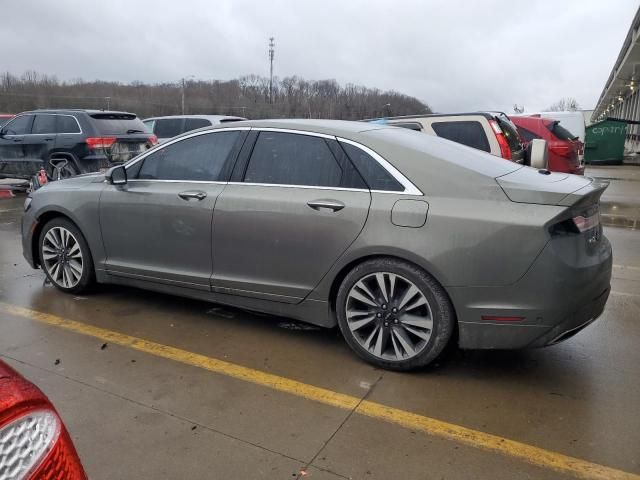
{"type": "Point", "coordinates": [527, 135]}
{"type": "Point", "coordinates": [19, 126]}
{"type": "Point", "coordinates": [44, 124]}
{"type": "Point", "coordinates": [118, 123]}
{"type": "Point", "coordinates": [194, 123]}
{"type": "Point", "coordinates": [469, 133]}
{"type": "Point", "coordinates": [67, 124]}
{"type": "Point", "coordinates": [292, 159]}
{"type": "Point", "coordinates": [373, 173]}
{"type": "Point", "coordinates": [561, 132]}
{"type": "Point", "coordinates": [199, 158]}
{"type": "Point", "coordinates": [168, 127]}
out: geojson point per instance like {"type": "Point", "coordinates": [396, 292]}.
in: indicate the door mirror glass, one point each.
{"type": "Point", "coordinates": [537, 154]}
{"type": "Point", "coordinates": [117, 175]}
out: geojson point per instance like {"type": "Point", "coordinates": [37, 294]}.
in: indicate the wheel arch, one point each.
{"type": "Point", "coordinates": [350, 265]}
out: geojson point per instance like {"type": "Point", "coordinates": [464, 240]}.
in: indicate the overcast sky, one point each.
{"type": "Point", "coordinates": [453, 55]}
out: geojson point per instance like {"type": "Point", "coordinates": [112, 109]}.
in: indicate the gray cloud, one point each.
{"type": "Point", "coordinates": [458, 55]}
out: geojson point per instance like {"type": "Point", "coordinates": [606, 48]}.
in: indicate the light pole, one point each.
{"type": "Point", "coordinates": [272, 49]}
{"type": "Point", "coordinates": [184, 79]}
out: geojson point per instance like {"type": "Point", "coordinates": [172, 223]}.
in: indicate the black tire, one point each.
{"type": "Point", "coordinates": [438, 306]}
{"type": "Point", "coordinates": [87, 276]}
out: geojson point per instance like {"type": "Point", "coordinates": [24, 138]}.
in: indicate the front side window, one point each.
{"type": "Point", "coordinates": [67, 124]}
{"type": "Point", "coordinates": [19, 126]}
{"type": "Point", "coordinates": [469, 133]}
{"type": "Point", "coordinates": [44, 124]}
{"type": "Point", "coordinates": [199, 158]}
{"type": "Point", "coordinates": [376, 176]}
{"type": "Point", "coordinates": [293, 159]}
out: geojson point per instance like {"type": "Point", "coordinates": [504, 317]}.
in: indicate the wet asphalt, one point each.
{"type": "Point", "coordinates": [134, 415]}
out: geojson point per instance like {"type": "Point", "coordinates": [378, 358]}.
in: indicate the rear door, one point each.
{"type": "Point", "coordinates": [296, 206]}
{"type": "Point", "coordinates": [157, 227]}
{"type": "Point", "coordinates": [14, 157]}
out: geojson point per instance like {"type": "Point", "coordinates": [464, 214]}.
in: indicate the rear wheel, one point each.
{"type": "Point", "coordinates": [394, 315]}
{"type": "Point", "coordinates": [65, 256]}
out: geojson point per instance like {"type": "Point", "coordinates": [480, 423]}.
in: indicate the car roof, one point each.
{"type": "Point", "coordinates": [338, 128]}
{"type": "Point", "coordinates": [486, 115]}
{"type": "Point", "coordinates": [205, 117]}
{"type": "Point", "coordinates": [79, 110]}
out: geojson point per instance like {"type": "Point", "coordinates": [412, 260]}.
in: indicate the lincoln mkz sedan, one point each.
{"type": "Point", "coordinates": [405, 241]}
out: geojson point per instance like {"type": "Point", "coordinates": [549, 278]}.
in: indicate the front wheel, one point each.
{"type": "Point", "coordinates": [65, 256]}
{"type": "Point", "coordinates": [394, 315]}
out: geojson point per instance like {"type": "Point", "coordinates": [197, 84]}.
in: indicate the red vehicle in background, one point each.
{"type": "Point", "coordinates": [564, 147]}
{"type": "Point", "coordinates": [34, 443]}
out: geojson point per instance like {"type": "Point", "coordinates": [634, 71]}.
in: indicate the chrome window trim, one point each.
{"type": "Point", "coordinates": [136, 180]}
{"type": "Point", "coordinates": [295, 132]}
{"type": "Point", "coordinates": [160, 146]}
{"type": "Point", "coordinates": [315, 187]}
{"type": "Point", "coordinates": [409, 187]}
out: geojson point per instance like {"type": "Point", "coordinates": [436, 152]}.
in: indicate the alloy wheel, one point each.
{"type": "Point", "coordinates": [62, 257]}
{"type": "Point", "coordinates": [389, 316]}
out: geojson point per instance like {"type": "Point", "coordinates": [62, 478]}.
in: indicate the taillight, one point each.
{"type": "Point", "coordinates": [562, 150]}
{"type": "Point", "coordinates": [100, 142]}
{"type": "Point", "coordinates": [584, 223]}
{"type": "Point", "coordinates": [153, 140]}
{"type": "Point", "coordinates": [505, 149]}
{"type": "Point", "coordinates": [25, 443]}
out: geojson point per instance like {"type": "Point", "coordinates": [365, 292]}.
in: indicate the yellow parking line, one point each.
{"type": "Point", "coordinates": [528, 453]}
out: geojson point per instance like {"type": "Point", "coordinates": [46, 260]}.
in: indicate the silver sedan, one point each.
{"type": "Point", "coordinates": [403, 240]}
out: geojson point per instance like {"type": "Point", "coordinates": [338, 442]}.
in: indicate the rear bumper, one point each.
{"type": "Point", "coordinates": [562, 293]}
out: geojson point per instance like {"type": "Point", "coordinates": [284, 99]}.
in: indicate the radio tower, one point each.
{"type": "Point", "coordinates": [272, 49]}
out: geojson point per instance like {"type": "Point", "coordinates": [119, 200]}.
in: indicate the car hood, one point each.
{"type": "Point", "coordinates": [529, 185]}
{"type": "Point", "coordinates": [75, 182]}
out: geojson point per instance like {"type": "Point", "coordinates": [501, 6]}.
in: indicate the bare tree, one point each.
{"type": "Point", "coordinates": [568, 104]}
{"type": "Point", "coordinates": [246, 96]}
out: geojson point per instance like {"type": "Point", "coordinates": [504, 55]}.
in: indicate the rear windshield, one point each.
{"type": "Point", "coordinates": [511, 133]}
{"type": "Point", "coordinates": [561, 132]}
{"type": "Point", "coordinates": [118, 123]}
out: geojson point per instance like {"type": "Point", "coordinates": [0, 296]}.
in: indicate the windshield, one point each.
{"type": "Point", "coordinates": [511, 133]}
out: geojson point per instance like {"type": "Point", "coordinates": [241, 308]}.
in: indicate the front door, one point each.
{"type": "Point", "coordinates": [298, 208]}
{"type": "Point", "coordinates": [157, 226]}
{"type": "Point", "coordinates": [14, 156]}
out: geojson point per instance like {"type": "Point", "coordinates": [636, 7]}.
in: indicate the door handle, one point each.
{"type": "Point", "coordinates": [333, 205]}
{"type": "Point", "coordinates": [48, 139]}
{"type": "Point", "coordinates": [198, 195]}
{"type": "Point", "coordinates": [17, 140]}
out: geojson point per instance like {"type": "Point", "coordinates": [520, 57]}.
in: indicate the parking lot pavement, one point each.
{"type": "Point", "coordinates": [153, 386]}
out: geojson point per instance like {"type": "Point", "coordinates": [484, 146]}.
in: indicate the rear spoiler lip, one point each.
{"type": "Point", "coordinates": [586, 195]}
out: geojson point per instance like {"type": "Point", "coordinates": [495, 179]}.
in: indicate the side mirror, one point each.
{"type": "Point", "coordinates": [537, 154]}
{"type": "Point", "coordinates": [116, 175]}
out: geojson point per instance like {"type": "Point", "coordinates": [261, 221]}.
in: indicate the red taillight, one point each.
{"type": "Point", "coordinates": [153, 140]}
{"type": "Point", "coordinates": [562, 150]}
{"type": "Point", "coordinates": [34, 444]}
{"type": "Point", "coordinates": [505, 149]}
{"type": "Point", "coordinates": [100, 142]}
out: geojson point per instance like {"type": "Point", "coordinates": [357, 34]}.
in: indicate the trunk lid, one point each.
{"type": "Point", "coordinates": [528, 185]}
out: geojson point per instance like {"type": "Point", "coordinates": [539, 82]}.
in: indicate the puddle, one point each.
{"type": "Point", "coordinates": [621, 215]}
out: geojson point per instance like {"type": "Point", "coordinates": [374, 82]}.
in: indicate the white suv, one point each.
{"type": "Point", "coordinates": [168, 127]}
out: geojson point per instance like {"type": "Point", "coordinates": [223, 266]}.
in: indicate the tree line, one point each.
{"type": "Point", "coordinates": [248, 96]}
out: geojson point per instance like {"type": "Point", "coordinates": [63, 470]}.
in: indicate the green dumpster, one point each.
{"type": "Point", "coordinates": [604, 142]}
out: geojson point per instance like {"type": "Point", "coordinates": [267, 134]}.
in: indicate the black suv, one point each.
{"type": "Point", "coordinates": [69, 142]}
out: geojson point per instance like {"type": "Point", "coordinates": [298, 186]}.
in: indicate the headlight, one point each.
{"type": "Point", "coordinates": [27, 203]}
